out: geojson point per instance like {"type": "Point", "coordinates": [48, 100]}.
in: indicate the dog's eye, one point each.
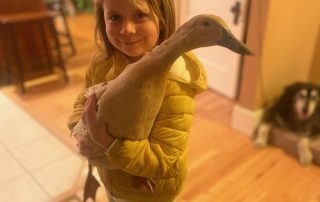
{"type": "Point", "coordinates": [314, 97]}
{"type": "Point", "coordinates": [302, 96]}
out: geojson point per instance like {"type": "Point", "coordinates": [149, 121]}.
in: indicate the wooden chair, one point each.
{"type": "Point", "coordinates": [9, 7]}
{"type": "Point", "coordinates": [28, 59]}
{"type": "Point", "coordinates": [59, 7]}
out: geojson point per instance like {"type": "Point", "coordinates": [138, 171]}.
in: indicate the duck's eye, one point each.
{"type": "Point", "coordinates": [206, 23]}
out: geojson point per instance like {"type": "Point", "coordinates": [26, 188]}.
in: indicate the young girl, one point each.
{"type": "Point", "coordinates": [152, 169]}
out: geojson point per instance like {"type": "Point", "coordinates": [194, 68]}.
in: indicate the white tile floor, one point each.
{"type": "Point", "coordinates": [34, 165]}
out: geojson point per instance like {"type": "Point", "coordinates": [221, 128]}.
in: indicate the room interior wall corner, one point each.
{"type": "Point", "coordinates": [250, 95]}
{"type": "Point", "coordinates": [314, 74]}
{"type": "Point", "coordinates": [247, 110]}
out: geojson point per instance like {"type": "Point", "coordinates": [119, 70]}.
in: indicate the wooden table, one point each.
{"type": "Point", "coordinates": [11, 7]}
{"type": "Point", "coordinates": [26, 32]}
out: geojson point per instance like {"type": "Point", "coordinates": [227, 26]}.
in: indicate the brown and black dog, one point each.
{"type": "Point", "coordinates": [296, 110]}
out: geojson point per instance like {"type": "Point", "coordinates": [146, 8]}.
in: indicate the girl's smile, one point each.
{"type": "Point", "coordinates": [131, 30]}
{"type": "Point", "coordinates": [132, 42]}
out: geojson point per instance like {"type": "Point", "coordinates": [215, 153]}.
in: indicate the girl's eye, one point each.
{"type": "Point", "coordinates": [141, 15]}
{"type": "Point", "coordinates": [114, 18]}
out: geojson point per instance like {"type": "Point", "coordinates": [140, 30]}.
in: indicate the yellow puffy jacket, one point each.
{"type": "Point", "coordinates": [161, 157]}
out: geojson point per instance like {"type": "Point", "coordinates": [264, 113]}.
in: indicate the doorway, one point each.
{"type": "Point", "coordinates": [222, 66]}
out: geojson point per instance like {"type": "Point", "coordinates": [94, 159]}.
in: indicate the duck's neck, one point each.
{"type": "Point", "coordinates": [166, 54]}
{"type": "Point", "coordinates": [170, 48]}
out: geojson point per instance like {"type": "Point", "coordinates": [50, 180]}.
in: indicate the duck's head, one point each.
{"type": "Point", "coordinates": [208, 30]}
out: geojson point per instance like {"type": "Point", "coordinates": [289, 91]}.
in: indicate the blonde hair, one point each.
{"type": "Point", "coordinates": [163, 9]}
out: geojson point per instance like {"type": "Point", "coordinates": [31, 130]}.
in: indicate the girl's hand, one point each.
{"type": "Point", "coordinates": [86, 146]}
{"type": "Point", "coordinates": [95, 126]}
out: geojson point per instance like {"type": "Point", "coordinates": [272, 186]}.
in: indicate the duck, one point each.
{"type": "Point", "coordinates": [122, 101]}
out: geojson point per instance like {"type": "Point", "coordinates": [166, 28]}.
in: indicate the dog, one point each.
{"type": "Point", "coordinates": [296, 110]}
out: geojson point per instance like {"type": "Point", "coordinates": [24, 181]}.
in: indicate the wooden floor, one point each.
{"type": "Point", "coordinates": [224, 165]}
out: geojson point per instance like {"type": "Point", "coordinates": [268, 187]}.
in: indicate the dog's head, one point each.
{"type": "Point", "coordinates": [305, 99]}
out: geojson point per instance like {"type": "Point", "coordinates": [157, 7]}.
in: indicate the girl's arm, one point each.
{"type": "Point", "coordinates": [95, 74]}
{"type": "Point", "coordinates": [80, 100]}
{"type": "Point", "coordinates": [162, 154]}
{"type": "Point", "coordinates": [95, 126]}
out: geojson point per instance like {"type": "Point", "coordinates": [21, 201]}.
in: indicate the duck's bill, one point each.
{"type": "Point", "coordinates": [229, 41]}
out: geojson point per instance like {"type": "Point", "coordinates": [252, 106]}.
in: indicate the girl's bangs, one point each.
{"type": "Point", "coordinates": [137, 4]}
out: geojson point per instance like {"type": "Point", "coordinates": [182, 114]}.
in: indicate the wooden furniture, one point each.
{"type": "Point", "coordinates": [9, 7]}
{"type": "Point", "coordinates": [59, 7]}
{"type": "Point", "coordinates": [28, 59]}
{"type": "Point", "coordinates": [17, 6]}
{"type": "Point", "coordinates": [33, 40]}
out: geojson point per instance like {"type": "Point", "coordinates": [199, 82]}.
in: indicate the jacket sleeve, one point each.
{"type": "Point", "coordinates": [162, 154]}
{"type": "Point", "coordinates": [80, 101]}
{"type": "Point", "coordinates": [95, 74]}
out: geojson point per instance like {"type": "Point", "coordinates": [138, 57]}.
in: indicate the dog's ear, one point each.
{"type": "Point", "coordinates": [294, 87]}
{"type": "Point", "coordinates": [319, 97]}
{"type": "Point", "coordinates": [291, 90]}
{"type": "Point", "coordinates": [284, 102]}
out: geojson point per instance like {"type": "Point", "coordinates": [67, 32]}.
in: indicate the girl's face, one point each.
{"type": "Point", "coordinates": [131, 30]}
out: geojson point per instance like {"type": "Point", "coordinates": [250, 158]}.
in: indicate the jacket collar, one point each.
{"type": "Point", "coordinates": [188, 69]}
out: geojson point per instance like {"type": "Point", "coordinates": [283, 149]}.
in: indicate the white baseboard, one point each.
{"type": "Point", "coordinates": [244, 120]}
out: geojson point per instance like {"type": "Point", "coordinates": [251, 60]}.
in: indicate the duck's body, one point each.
{"type": "Point", "coordinates": [143, 83]}
{"type": "Point", "coordinates": [123, 103]}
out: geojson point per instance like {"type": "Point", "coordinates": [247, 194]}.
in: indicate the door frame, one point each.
{"type": "Point", "coordinates": [247, 110]}
{"type": "Point", "coordinates": [181, 7]}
